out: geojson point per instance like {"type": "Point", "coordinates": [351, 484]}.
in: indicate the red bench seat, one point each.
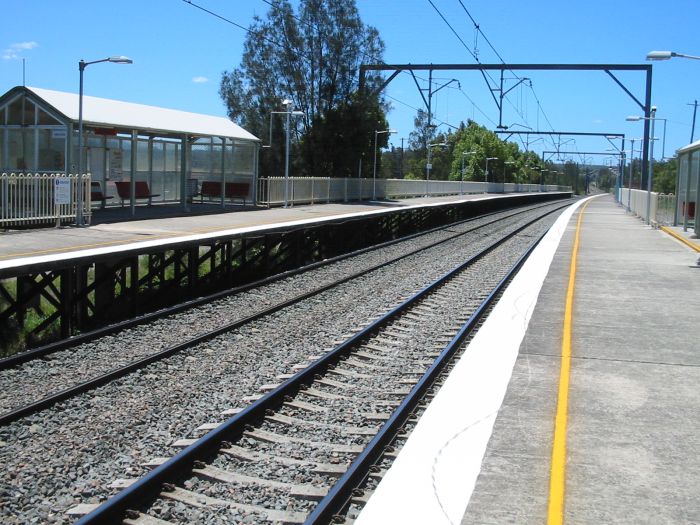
{"type": "Point", "coordinates": [141, 190]}
{"type": "Point", "coordinates": [232, 190]}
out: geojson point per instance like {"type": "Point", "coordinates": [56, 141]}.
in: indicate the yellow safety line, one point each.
{"type": "Point", "coordinates": [557, 478]}
{"type": "Point", "coordinates": [681, 238]}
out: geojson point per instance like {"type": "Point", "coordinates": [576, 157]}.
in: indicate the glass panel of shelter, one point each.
{"type": "Point", "coordinates": [692, 194]}
{"type": "Point", "coordinates": [109, 161]}
{"type": "Point", "coordinates": [683, 174]}
{"type": "Point", "coordinates": [22, 111]}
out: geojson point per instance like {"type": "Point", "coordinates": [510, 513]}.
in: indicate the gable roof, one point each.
{"type": "Point", "coordinates": [103, 112]}
{"type": "Point", "coordinates": [695, 145]}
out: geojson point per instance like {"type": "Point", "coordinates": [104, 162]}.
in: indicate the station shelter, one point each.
{"type": "Point", "coordinates": [688, 189]}
{"type": "Point", "coordinates": [175, 153]}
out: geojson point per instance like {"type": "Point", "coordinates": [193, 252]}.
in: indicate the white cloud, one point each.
{"type": "Point", "coordinates": [12, 52]}
{"type": "Point", "coordinates": [200, 80]}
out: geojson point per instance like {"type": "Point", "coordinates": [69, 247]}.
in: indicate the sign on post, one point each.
{"type": "Point", "coordinates": [61, 191]}
{"type": "Point", "coordinates": [61, 195]}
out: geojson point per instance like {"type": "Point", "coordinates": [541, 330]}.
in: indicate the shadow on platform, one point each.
{"type": "Point", "coordinates": [112, 214]}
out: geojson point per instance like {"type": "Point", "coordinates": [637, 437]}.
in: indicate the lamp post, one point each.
{"type": "Point", "coordinates": [667, 55]}
{"type": "Point", "coordinates": [629, 185]}
{"type": "Point", "coordinates": [542, 178]}
{"type": "Point", "coordinates": [374, 176]}
{"type": "Point", "coordinates": [486, 172]}
{"type": "Point", "coordinates": [506, 163]}
{"type": "Point", "coordinates": [429, 166]}
{"type": "Point", "coordinates": [286, 103]}
{"type": "Point", "coordinates": [650, 177]}
{"type": "Point", "coordinates": [464, 154]}
{"type": "Point", "coordinates": [81, 67]}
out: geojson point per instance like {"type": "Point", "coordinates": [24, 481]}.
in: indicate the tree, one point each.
{"type": "Point", "coordinates": [312, 59]}
{"type": "Point", "coordinates": [571, 173]}
{"type": "Point", "coordinates": [476, 138]}
{"type": "Point", "coordinates": [665, 173]}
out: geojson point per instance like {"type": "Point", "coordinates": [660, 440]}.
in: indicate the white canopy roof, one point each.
{"type": "Point", "coordinates": [107, 113]}
{"type": "Point", "coordinates": [689, 147]}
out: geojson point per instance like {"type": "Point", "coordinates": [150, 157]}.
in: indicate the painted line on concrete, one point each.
{"type": "Point", "coordinates": [681, 238]}
{"type": "Point", "coordinates": [433, 477]}
{"type": "Point", "coordinates": [557, 478]}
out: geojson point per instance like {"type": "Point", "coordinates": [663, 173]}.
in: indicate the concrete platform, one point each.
{"type": "Point", "coordinates": [634, 433]}
{"type": "Point", "coordinates": [633, 443]}
{"type": "Point", "coordinates": [20, 245]}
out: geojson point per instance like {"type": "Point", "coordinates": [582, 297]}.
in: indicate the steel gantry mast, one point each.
{"type": "Point", "coordinates": [607, 68]}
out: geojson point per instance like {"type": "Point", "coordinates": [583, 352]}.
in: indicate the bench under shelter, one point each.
{"type": "Point", "coordinates": [134, 153]}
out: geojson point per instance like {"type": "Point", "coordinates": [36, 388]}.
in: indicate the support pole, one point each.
{"type": "Point", "coordinates": [183, 172]}
{"type": "Point", "coordinates": [79, 197]}
{"type": "Point", "coordinates": [651, 165]}
{"type": "Point", "coordinates": [645, 139]}
{"type": "Point", "coordinates": [132, 177]}
{"type": "Point", "coordinates": [223, 169]}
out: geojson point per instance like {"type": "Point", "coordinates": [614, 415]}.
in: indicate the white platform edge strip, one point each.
{"type": "Point", "coordinates": [215, 234]}
{"type": "Point", "coordinates": [432, 479]}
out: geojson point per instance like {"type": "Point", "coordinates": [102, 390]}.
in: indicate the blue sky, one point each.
{"type": "Point", "coordinates": [179, 53]}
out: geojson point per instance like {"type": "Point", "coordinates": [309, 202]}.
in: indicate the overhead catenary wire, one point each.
{"type": "Point", "coordinates": [477, 27]}
{"type": "Point", "coordinates": [441, 122]}
{"type": "Point", "coordinates": [247, 30]}
{"type": "Point", "coordinates": [490, 81]}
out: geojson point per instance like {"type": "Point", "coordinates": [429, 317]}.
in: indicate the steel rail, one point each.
{"type": "Point", "coordinates": [340, 494]}
{"type": "Point", "coordinates": [179, 466]}
{"type": "Point", "coordinates": [87, 337]}
{"type": "Point", "coordinates": [116, 373]}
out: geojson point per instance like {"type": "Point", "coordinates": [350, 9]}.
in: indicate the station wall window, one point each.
{"type": "Point", "coordinates": [243, 158]}
{"type": "Point", "coordinates": [694, 174]}
{"type": "Point", "coordinates": [125, 146]}
{"type": "Point", "coordinates": [142, 155]}
{"type": "Point", "coordinates": [52, 147]}
{"type": "Point", "coordinates": [21, 150]}
{"type": "Point", "coordinates": [21, 112]}
{"type": "Point", "coordinates": [44, 119]}
{"type": "Point", "coordinates": [201, 156]}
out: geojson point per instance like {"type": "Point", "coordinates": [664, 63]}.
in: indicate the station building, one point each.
{"type": "Point", "coordinates": [173, 152]}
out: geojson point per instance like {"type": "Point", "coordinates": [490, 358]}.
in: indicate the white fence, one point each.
{"type": "Point", "coordinates": [309, 190]}
{"type": "Point", "coordinates": [27, 198]}
{"type": "Point", "coordinates": [661, 205]}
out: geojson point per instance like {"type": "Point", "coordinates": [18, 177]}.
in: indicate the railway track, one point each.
{"type": "Point", "coordinates": [299, 453]}
{"type": "Point", "coordinates": [43, 398]}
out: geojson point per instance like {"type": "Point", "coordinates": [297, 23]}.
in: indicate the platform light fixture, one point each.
{"type": "Point", "coordinates": [118, 59]}
{"type": "Point", "coordinates": [429, 165]}
{"type": "Point", "coordinates": [629, 185]}
{"type": "Point", "coordinates": [650, 177]}
{"type": "Point", "coordinates": [289, 112]}
{"type": "Point", "coordinates": [377, 132]}
{"type": "Point", "coordinates": [668, 55]}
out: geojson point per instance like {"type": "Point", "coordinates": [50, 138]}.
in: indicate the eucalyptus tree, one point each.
{"type": "Point", "coordinates": [311, 57]}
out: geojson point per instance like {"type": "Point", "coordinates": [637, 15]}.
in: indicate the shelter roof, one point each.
{"type": "Point", "coordinates": [695, 145]}
{"type": "Point", "coordinates": [103, 112]}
